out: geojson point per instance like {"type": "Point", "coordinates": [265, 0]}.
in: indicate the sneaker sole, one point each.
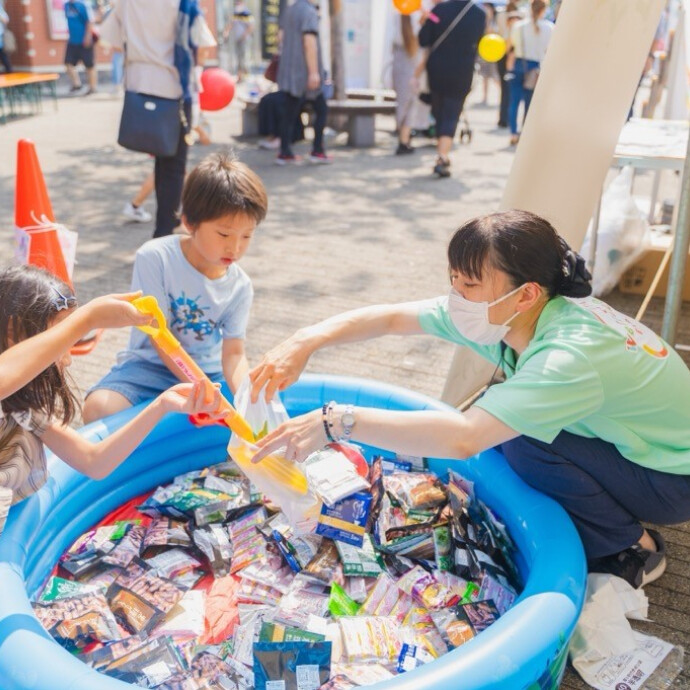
{"type": "Point", "coordinates": [654, 574]}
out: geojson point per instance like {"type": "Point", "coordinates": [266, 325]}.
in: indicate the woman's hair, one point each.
{"type": "Point", "coordinates": [538, 6]}
{"type": "Point", "coordinates": [525, 247]}
{"type": "Point", "coordinates": [30, 298]}
{"type": "Point", "coordinates": [221, 186]}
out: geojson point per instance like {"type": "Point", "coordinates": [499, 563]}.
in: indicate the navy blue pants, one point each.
{"type": "Point", "coordinates": [606, 496]}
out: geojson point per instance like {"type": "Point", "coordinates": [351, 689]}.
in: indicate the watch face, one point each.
{"type": "Point", "coordinates": [347, 420]}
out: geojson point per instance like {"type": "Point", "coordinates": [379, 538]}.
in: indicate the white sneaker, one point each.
{"type": "Point", "coordinates": [138, 214]}
{"type": "Point", "coordinates": [270, 144]}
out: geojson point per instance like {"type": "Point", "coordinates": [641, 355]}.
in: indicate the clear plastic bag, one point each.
{"type": "Point", "coordinates": [296, 500]}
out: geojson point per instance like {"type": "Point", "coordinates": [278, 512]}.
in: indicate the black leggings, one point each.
{"type": "Point", "coordinates": [293, 105]}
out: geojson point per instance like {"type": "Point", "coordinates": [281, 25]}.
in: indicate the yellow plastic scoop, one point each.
{"type": "Point", "coordinates": [277, 468]}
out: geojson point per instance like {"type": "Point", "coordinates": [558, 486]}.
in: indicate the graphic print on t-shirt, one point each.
{"type": "Point", "coordinates": [636, 335]}
{"type": "Point", "coordinates": [188, 316]}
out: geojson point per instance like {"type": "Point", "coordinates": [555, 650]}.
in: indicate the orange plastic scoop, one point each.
{"type": "Point", "coordinates": [279, 469]}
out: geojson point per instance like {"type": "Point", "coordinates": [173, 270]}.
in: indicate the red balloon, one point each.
{"type": "Point", "coordinates": [218, 89]}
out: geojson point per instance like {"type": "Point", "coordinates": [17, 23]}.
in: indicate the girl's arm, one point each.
{"type": "Point", "coordinates": [26, 359]}
{"type": "Point", "coordinates": [281, 366]}
{"type": "Point", "coordinates": [424, 433]}
{"type": "Point", "coordinates": [97, 460]}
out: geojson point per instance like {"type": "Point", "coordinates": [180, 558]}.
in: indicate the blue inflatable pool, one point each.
{"type": "Point", "coordinates": [526, 648]}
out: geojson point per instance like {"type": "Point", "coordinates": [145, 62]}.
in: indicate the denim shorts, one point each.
{"type": "Point", "coordinates": [139, 380]}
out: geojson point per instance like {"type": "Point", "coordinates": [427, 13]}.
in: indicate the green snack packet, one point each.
{"type": "Point", "coordinates": [359, 562]}
{"type": "Point", "coordinates": [340, 604]}
{"type": "Point", "coordinates": [471, 593]}
{"type": "Point", "coordinates": [57, 588]}
{"type": "Point", "coordinates": [187, 501]}
{"type": "Point", "coordinates": [442, 547]}
{"type": "Point", "coordinates": [121, 527]}
{"type": "Point", "coordinates": [275, 632]}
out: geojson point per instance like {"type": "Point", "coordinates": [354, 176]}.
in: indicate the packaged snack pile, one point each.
{"type": "Point", "coordinates": [209, 586]}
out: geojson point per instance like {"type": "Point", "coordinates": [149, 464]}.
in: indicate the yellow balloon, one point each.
{"type": "Point", "coordinates": [407, 6]}
{"type": "Point", "coordinates": [492, 47]}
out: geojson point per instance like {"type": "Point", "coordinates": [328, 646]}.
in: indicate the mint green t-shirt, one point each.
{"type": "Point", "coordinates": [594, 372]}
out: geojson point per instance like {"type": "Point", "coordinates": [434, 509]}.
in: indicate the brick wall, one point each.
{"type": "Point", "coordinates": [36, 50]}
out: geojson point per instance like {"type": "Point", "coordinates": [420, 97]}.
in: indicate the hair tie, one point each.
{"type": "Point", "coordinates": [576, 280]}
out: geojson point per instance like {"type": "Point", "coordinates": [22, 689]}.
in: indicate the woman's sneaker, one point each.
{"type": "Point", "coordinates": [635, 565]}
{"type": "Point", "coordinates": [442, 167]}
{"type": "Point", "coordinates": [282, 159]}
{"type": "Point", "coordinates": [138, 214]}
{"type": "Point", "coordinates": [320, 158]}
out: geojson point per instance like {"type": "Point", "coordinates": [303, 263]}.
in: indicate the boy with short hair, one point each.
{"type": "Point", "coordinates": [203, 293]}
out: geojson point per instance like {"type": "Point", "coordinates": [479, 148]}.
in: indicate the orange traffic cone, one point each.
{"type": "Point", "coordinates": [33, 214]}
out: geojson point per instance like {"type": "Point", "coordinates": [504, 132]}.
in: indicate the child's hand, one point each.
{"type": "Point", "coordinates": [193, 398]}
{"type": "Point", "coordinates": [115, 311]}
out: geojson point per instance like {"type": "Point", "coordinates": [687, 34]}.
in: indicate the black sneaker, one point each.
{"type": "Point", "coordinates": [403, 149]}
{"type": "Point", "coordinates": [442, 167]}
{"type": "Point", "coordinates": [635, 565]}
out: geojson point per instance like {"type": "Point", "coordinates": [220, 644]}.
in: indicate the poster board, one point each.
{"type": "Point", "coordinates": [57, 22]}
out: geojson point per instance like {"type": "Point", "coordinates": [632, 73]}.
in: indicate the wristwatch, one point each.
{"type": "Point", "coordinates": [347, 421]}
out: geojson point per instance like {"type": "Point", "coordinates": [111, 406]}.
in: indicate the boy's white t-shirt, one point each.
{"type": "Point", "coordinates": [200, 312]}
{"type": "Point", "coordinates": [528, 44]}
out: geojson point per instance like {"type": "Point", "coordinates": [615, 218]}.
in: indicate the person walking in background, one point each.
{"type": "Point", "coordinates": [241, 27]}
{"type": "Point", "coordinates": [300, 78]}
{"type": "Point", "coordinates": [161, 39]}
{"type": "Point", "coordinates": [80, 23]}
{"type": "Point", "coordinates": [504, 23]}
{"type": "Point", "coordinates": [451, 33]}
{"type": "Point", "coordinates": [406, 58]}
{"type": "Point", "coordinates": [488, 70]}
{"type": "Point", "coordinates": [4, 22]}
{"type": "Point", "coordinates": [529, 39]}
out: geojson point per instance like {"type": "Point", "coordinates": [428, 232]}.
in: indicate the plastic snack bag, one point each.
{"type": "Point", "coordinates": [295, 499]}
{"type": "Point", "coordinates": [291, 665]}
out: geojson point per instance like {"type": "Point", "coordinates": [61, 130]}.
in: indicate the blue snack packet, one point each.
{"type": "Point", "coordinates": [346, 520]}
{"type": "Point", "coordinates": [291, 665]}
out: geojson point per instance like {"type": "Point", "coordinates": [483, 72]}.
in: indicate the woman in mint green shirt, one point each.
{"type": "Point", "coordinates": [594, 411]}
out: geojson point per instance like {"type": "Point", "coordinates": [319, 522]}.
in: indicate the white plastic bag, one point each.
{"type": "Point", "coordinates": [622, 235]}
{"type": "Point", "coordinates": [280, 480]}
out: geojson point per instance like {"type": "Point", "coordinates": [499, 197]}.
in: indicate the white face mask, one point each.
{"type": "Point", "coordinates": [472, 318]}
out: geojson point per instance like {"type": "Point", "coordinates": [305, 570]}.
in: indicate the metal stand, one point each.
{"type": "Point", "coordinates": [674, 298]}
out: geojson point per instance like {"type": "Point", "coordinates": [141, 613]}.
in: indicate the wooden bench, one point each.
{"type": "Point", "coordinates": [17, 88]}
{"type": "Point", "coordinates": [360, 113]}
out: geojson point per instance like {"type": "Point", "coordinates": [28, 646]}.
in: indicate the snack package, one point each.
{"type": "Point", "coordinates": [415, 490]}
{"type": "Point", "coordinates": [297, 550]}
{"type": "Point", "coordinates": [149, 665]}
{"type": "Point", "coordinates": [443, 551]}
{"type": "Point", "coordinates": [360, 562]}
{"type": "Point", "coordinates": [156, 505]}
{"type": "Point", "coordinates": [304, 597]}
{"type": "Point", "coordinates": [435, 590]}
{"type": "Point", "coordinates": [340, 604]}
{"type": "Point", "coordinates": [291, 665]}
{"type": "Point", "coordinates": [325, 563]}
{"type": "Point", "coordinates": [412, 656]}
{"type": "Point", "coordinates": [275, 632]}
{"type": "Point", "coordinates": [370, 638]}
{"type": "Point", "coordinates": [332, 476]}
{"type": "Point", "coordinates": [357, 588]}
{"type": "Point", "coordinates": [57, 588]}
{"type": "Point", "coordinates": [80, 566]}
{"type": "Point", "coordinates": [345, 520]}
{"type": "Point", "coordinates": [498, 590]}
{"type": "Point", "coordinates": [384, 583]}
{"type": "Point", "coordinates": [212, 540]}
{"type": "Point", "coordinates": [275, 575]}
{"type": "Point", "coordinates": [173, 563]}
{"type": "Point", "coordinates": [76, 621]}
{"type": "Point", "coordinates": [164, 533]}
{"type": "Point", "coordinates": [128, 548]}
{"type": "Point", "coordinates": [187, 616]}
{"type": "Point", "coordinates": [425, 634]}
{"type": "Point", "coordinates": [140, 599]}
{"type": "Point", "coordinates": [461, 623]}
{"type": "Point", "coordinates": [362, 674]}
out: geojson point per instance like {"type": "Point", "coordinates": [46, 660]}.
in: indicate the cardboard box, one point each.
{"type": "Point", "coordinates": [637, 279]}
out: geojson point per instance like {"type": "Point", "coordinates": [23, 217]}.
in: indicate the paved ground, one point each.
{"type": "Point", "coordinates": [369, 229]}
